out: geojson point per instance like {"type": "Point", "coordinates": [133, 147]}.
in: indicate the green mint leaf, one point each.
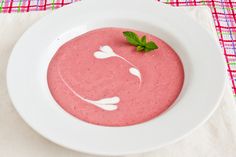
{"type": "Point", "coordinates": [141, 44]}
{"type": "Point", "coordinates": [151, 45]}
{"type": "Point", "coordinates": [143, 40]}
{"type": "Point", "coordinates": [132, 38]}
{"type": "Point", "coordinates": [140, 48]}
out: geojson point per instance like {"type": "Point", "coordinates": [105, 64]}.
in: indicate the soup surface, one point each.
{"type": "Point", "coordinates": [100, 78]}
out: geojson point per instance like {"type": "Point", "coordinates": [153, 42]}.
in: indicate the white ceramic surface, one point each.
{"type": "Point", "coordinates": [203, 87]}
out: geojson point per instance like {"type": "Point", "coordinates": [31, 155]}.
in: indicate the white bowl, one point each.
{"type": "Point", "coordinates": [203, 65]}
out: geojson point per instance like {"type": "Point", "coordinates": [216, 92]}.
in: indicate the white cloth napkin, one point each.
{"type": "Point", "coordinates": [216, 138]}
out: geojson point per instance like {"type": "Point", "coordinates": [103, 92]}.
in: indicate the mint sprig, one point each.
{"type": "Point", "coordinates": [141, 43]}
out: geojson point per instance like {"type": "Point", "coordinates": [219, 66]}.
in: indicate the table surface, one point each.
{"type": "Point", "coordinates": [216, 138]}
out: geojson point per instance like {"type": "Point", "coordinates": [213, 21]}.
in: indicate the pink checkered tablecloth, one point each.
{"type": "Point", "coordinates": [223, 11]}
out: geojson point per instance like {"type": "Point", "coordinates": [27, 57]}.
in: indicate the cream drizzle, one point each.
{"type": "Point", "coordinates": [107, 52]}
{"type": "Point", "coordinates": [108, 104]}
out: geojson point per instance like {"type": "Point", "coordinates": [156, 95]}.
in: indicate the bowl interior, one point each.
{"type": "Point", "coordinates": [160, 32]}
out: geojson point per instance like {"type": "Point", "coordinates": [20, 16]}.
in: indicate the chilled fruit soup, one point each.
{"type": "Point", "coordinates": [100, 78]}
